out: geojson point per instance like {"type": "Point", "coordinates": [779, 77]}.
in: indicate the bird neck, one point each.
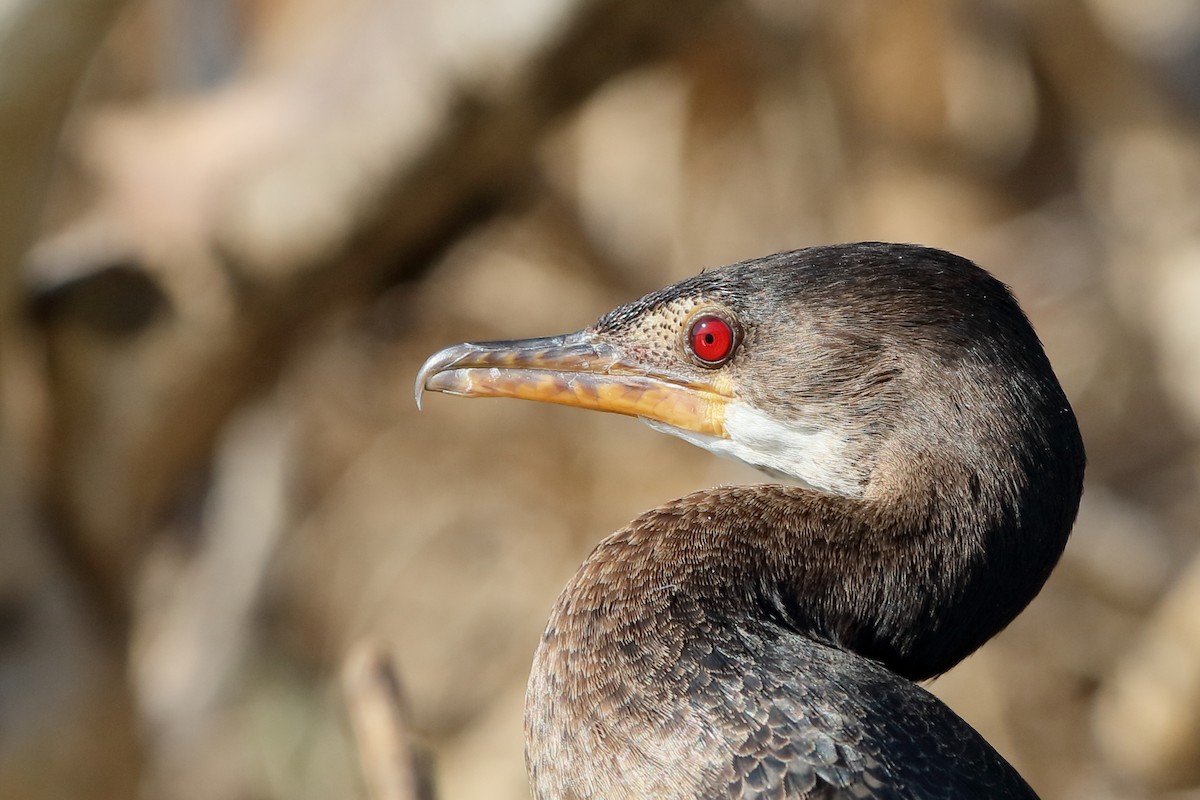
{"type": "Point", "coordinates": [916, 584]}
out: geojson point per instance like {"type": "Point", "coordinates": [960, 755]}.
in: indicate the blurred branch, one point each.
{"type": "Point", "coordinates": [376, 706]}
{"type": "Point", "coordinates": [45, 45]}
{"type": "Point", "coordinates": [481, 151]}
{"type": "Point", "coordinates": [61, 685]}
{"type": "Point", "coordinates": [1089, 77]}
{"type": "Point", "coordinates": [198, 612]}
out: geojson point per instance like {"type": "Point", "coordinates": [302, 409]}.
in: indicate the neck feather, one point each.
{"type": "Point", "coordinates": [917, 585]}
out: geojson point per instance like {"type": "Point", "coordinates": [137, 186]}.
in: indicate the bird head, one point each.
{"type": "Point", "coordinates": [838, 367]}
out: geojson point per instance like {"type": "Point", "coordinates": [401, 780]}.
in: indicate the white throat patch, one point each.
{"type": "Point", "coordinates": [816, 457]}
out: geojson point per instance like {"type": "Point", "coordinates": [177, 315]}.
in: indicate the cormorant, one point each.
{"type": "Point", "coordinates": [762, 641]}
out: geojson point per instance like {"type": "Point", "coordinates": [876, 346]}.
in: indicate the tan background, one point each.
{"type": "Point", "coordinates": [230, 231]}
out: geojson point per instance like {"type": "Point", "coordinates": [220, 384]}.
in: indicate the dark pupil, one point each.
{"type": "Point", "coordinates": [709, 338]}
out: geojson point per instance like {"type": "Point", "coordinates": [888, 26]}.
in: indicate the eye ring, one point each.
{"type": "Point", "coordinates": [711, 339]}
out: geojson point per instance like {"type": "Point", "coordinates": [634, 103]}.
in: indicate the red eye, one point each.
{"type": "Point", "coordinates": [711, 339]}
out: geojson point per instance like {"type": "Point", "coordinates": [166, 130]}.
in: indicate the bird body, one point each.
{"type": "Point", "coordinates": [737, 696]}
{"type": "Point", "coordinates": [763, 641]}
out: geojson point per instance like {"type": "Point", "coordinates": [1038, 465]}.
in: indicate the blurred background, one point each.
{"type": "Point", "coordinates": [230, 231]}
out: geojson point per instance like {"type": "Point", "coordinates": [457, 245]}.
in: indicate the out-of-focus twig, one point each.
{"type": "Point", "coordinates": [375, 703]}
{"type": "Point", "coordinates": [44, 49]}
{"type": "Point", "coordinates": [192, 635]}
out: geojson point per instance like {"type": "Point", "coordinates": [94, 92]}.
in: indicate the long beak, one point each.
{"type": "Point", "coordinates": [576, 370]}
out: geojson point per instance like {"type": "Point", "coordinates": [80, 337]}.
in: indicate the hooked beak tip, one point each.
{"type": "Point", "coordinates": [419, 388]}
{"type": "Point", "coordinates": [439, 361]}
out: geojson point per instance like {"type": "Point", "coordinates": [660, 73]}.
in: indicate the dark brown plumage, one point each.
{"type": "Point", "coordinates": [761, 641]}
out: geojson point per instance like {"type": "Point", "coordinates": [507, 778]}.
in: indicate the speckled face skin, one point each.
{"type": "Point", "coordinates": [814, 444]}
{"type": "Point", "coordinates": [656, 333]}
{"type": "Point", "coordinates": [760, 641]}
